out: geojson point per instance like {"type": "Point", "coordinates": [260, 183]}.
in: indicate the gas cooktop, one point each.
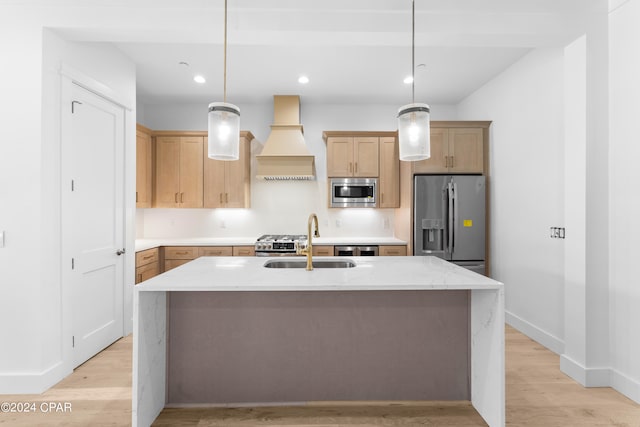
{"type": "Point", "coordinates": [278, 244]}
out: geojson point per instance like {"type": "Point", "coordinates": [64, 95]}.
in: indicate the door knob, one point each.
{"type": "Point", "coordinates": [120, 251]}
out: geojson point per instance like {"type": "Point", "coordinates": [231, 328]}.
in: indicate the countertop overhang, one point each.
{"type": "Point", "coordinates": [370, 273]}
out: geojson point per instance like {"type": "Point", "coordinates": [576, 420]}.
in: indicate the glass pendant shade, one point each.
{"type": "Point", "coordinates": [414, 132]}
{"type": "Point", "coordinates": [224, 131]}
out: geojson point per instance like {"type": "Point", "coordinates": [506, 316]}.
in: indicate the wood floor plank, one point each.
{"type": "Point", "coordinates": [537, 395]}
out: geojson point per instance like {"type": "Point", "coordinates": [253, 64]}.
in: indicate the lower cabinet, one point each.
{"type": "Point", "coordinates": [322, 250]}
{"type": "Point", "coordinates": [147, 264]}
{"type": "Point", "coordinates": [244, 251]}
{"type": "Point", "coordinates": [392, 250]}
{"type": "Point", "coordinates": [215, 251]}
{"type": "Point", "coordinates": [175, 256]}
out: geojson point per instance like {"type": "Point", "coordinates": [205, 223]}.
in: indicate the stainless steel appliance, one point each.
{"type": "Point", "coordinates": [449, 219]}
{"type": "Point", "coordinates": [353, 192]}
{"type": "Point", "coordinates": [279, 244]}
{"type": "Point", "coordinates": [355, 251]}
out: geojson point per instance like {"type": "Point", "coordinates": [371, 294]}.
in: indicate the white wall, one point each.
{"type": "Point", "coordinates": [624, 110]}
{"type": "Point", "coordinates": [527, 158]}
{"type": "Point", "coordinates": [278, 207]}
{"type": "Point", "coordinates": [32, 306]}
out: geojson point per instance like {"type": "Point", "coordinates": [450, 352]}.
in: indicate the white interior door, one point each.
{"type": "Point", "coordinates": [93, 220]}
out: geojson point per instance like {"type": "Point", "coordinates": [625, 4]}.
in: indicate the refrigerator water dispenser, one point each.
{"type": "Point", "coordinates": [432, 235]}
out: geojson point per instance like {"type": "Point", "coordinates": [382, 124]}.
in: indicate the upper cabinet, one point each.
{"type": "Point", "coordinates": [454, 150]}
{"type": "Point", "coordinates": [227, 184]}
{"type": "Point", "coordinates": [144, 167]}
{"type": "Point", "coordinates": [369, 155]}
{"type": "Point", "coordinates": [179, 171]}
{"type": "Point", "coordinates": [349, 156]}
{"type": "Point", "coordinates": [389, 181]}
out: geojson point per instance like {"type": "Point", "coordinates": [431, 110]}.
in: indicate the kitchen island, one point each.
{"type": "Point", "coordinates": [228, 331]}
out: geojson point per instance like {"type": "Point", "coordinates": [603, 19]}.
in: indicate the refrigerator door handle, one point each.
{"type": "Point", "coordinates": [450, 236]}
{"type": "Point", "coordinates": [456, 215]}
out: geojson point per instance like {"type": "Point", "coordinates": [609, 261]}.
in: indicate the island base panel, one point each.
{"type": "Point", "coordinates": [269, 347]}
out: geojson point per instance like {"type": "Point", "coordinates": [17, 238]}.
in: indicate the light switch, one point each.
{"type": "Point", "coordinates": [1, 239]}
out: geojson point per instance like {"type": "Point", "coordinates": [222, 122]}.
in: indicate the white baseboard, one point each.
{"type": "Point", "coordinates": [33, 382]}
{"type": "Point", "coordinates": [625, 385]}
{"type": "Point", "coordinates": [587, 377]}
{"type": "Point", "coordinates": [542, 337]}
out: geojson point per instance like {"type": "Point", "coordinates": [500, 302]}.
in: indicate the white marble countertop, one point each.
{"type": "Point", "coordinates": [143, 244]}
{"type": "Point", "coordinates": [370, 273]}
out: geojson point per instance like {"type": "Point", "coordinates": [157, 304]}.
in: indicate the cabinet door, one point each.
{"type": "Point", "coordinates": [438, 161]}
{"type": "Point", "coordinates": [143, 169]}
{"type": "Point", "coordinates": [466, 150]}
{"type": "Point", "coordinates": [366, 157]}
{"type": "Point", "coordinates": [392, 250]}
{"type": "Point", "coordinates": [167, 188]}
{"type": "Point", "coordinates": [173, 263]}
{"type": "Point", "coordinates": [147, 272]}
{"type": "Point", "coordinates": [323, 250]}
{"type": "Point", "coordinates": [244, 251]}
{"type": "Point", "coordinates": [389, 181]}
{"type": "Point", "coordinates": [191, 173]}
{"type": "Point", "coordinates": [214, 181]}
{"type": "Point", "coordinates": [215, 251]}
{"type": "Point", "coordinates": [238, 179]}
{"type": "Point", "coordinates": [339, 157]}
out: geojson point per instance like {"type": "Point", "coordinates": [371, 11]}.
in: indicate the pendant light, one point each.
{"type": "Point", "coordinates": [224, 119]}
{"type": "Point", "coordinates": [413, 119]}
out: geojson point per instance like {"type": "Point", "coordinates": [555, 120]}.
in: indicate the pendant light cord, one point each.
{"type": "Point", "coordinates": [413, 51]}
{"type": "Point", "coordinates": [225, 53]}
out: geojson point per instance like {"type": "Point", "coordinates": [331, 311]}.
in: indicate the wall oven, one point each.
{"type": "Point", "coordinates": [353, 192]}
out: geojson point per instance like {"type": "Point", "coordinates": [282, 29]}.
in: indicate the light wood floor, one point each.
{"type": "Point", "coordinates": [538, 394]}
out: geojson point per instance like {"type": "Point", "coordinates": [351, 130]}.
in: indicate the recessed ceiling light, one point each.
{"type": "Point", "coordinates": [199, 79]}
{"type": "Point", "coordinates": [303, 80]}
{"type": "Point", "coordinates": [408, 80]}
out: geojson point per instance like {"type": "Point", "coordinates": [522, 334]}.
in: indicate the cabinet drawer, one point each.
{"type": "Point", "coordinates": [147, 271]}
{"type": "Point", "coordinates": [392, 250]}
{"type": "Point", "coordinates": [146, 257]}
{"type": "Point", "coordinates": [215, 251]}
{"type": "Point", "coordinates": [244, 251]}
{"type": "Point", "coordinates": [180, 252]}
{"type": "Point", "coordinates": [323, 250]}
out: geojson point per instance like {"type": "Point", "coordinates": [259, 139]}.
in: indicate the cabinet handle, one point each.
{"type": "Point", "coordinates": [220, 198]}
{"type": "Point", "coordinates": [226, 197]}
{"type": "Point", "coordinates": [356, 167]}
{"type": "Point", "coordinates": [175, 197]}
{"type": "Point", "coordinates": [148, 256]}
{"type": "Point", "coordinates": [181, 197]}
{"type": "Point", "coordinates": [451, 161]}
{"type": "Point", "coordinates": [350, 167]}
{"type": "Point", "coordinates": [182, 253]}
{"type": "Point", "coordinates": [136, 197]}
{"type": "Point", "coordinates": [381, 198]}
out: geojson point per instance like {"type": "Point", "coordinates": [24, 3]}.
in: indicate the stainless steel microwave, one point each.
{"type": "Point", "coordinates": [354, 192]}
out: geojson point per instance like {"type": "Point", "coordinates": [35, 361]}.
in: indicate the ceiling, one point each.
{"type": "Point", "coordinates": [353, 51]}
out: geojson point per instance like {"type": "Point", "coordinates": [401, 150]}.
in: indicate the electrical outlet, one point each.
{"type": "Point", "coordinates": [338, 223]}
{"type": "Point", "coordinates": [556, 232]}
{"type": "Point", "coordinates": [386, 224]}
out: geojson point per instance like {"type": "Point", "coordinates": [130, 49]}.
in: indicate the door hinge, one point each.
{"type": "Point", "coordinates": [73, 104]}
{"type": "Point", "coordinates": [73, 263]}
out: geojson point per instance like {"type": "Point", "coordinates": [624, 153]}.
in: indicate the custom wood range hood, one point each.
{"type": "Point", "coordinates": [285, 155]}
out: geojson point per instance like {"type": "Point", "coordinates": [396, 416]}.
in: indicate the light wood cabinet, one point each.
{"type": "Point", "coordinates": [389, 180]}
{"type": "Point", "coordinates": [244, 251]}
{"type": "Point", "coordinates": [454, 150]}
{"type": "Point", "coordinates": [349, 156]}
{"type": "Point", "coordinates": [144, 167]}
{"type": "Point", "coordinates": [392, 250]}
{"type": "Point", "coordinates": [178, 172]}
{"type": "Point", "coordinates": [323, 250]}
{"type": "Point", "coordinates": [175, 256]}
{"type": "Point", "coordinates": [215, 251]}
{"type": "Point", "coordinates": [227, 184]}
{"type": "Point", "coordinates": [147, 264]}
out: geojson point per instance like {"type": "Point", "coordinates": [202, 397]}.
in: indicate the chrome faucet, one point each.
{"type": "Point", "coordinates": [308, 251]}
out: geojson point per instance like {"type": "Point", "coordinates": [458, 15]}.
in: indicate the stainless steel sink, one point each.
{"type": "Point", "coordinates": [338, 263]}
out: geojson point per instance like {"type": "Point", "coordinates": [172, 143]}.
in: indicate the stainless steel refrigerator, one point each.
{"type": "Point", "coordinates": [449, 219]}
